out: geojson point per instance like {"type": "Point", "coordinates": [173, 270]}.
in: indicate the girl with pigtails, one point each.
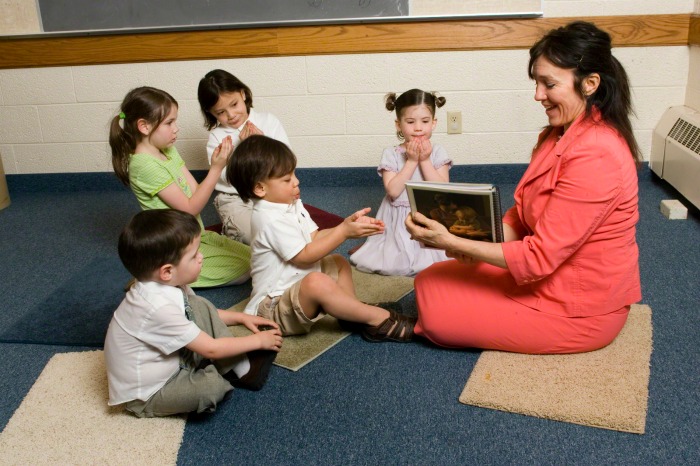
{"type": "Point", "coordinates": [414, 159]}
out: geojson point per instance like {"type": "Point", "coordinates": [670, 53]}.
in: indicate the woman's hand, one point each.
{"type": "Point", "coordinates": [463, 258]}
{"type": "Point", "coordinates": [428, 232]}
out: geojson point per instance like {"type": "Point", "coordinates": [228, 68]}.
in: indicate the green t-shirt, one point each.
{"type": "Point", "coordinates": [148, 176]}
{"type": "Point", "coordinates": [225, 260]}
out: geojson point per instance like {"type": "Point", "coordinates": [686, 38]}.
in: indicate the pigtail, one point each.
{"type": "Point", "coordinates": [390, 101]}
{"type": "Point", "coordinates": [143, 103]}
{"type": "Point", "coordinates": [123, 145]}
{"type": "Point", "coordinates": [439, 100]}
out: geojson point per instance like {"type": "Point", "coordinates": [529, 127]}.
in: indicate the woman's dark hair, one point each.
{"type": "Point", "coordinates": [143, 103]}
{"type": "Point", "coordinates": [584, 48]}
{"type": "Point", "coordinates": [255, 159]}
{"type": "Point", "coordinates": [212, 85]}
{"type": "Point", "coordinates": [153, 238]}
{"type": "Point", "coordinates": [409, 99]}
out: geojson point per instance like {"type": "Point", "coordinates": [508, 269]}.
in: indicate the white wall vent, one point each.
{"type": "Point", "coordinates": [675, 151]}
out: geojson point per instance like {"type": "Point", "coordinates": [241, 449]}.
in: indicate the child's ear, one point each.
{"type": "Point", "coordinates": [143, 126]}
{"type": "Point", "coordinates": [398, 125]}
{"type": "Point", "coordinates": [259, 189]}
{"type": "Point", "coordinates": [165, 272]}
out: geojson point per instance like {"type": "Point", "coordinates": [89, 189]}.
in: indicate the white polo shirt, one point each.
{"type": "Point", "coordinates": [146, 332]}
{"type": "Point", "coordinates": [266, 122]}
{"type": "Point", "coordinates": [280, 232]}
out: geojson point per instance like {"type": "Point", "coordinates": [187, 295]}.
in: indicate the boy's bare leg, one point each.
{"type": "Point", "coordinates": [344, 275]}
{"type": "Point", "coordinates": [318, 290]}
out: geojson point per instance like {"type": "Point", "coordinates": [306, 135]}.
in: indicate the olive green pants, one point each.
{"type": "Point", "coordinates": [199, 385]}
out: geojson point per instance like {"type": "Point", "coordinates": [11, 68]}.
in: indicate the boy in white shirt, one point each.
{"type": "Point", "coordinates": [295, 280]}
{"type": "Point", "coordinates": [167, 350]}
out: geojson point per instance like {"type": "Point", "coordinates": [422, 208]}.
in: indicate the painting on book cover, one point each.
{"type": "Point", "coordinates": [467, 215]}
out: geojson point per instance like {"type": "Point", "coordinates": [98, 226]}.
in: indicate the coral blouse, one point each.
{"type": "Point", "coordinates": [576, 213]}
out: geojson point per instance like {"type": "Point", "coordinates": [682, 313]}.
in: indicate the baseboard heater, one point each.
{"type": "Point", "coordinates": [675, 151]}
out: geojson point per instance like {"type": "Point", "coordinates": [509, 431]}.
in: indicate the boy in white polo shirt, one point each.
{"type": "Point", "coordinates": [167, 350]}
{"type": "Point", "coordinates": [295, 280]}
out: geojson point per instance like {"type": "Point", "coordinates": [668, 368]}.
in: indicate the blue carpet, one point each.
{"type": "Point", "coordinates": [363, 403]}
{"type": "Point", "coordinates": [78, 311]}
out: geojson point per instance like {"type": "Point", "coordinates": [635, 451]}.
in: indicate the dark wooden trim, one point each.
{"type": "Point", "coordinates": [694, 30]}
{"type": "Point", "coordinates": [627, 31]}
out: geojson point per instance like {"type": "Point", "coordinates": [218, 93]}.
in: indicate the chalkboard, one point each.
{"type": "Point", "coordinates": [101, 15]}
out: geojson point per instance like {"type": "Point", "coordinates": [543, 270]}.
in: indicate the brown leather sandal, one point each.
{"type": "Point", "coordinates": [397, 327]}
{"type": "Point", "coordinates": [357, 327]}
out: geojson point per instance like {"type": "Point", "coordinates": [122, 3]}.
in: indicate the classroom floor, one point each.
{"type": "Point", "coordinates": [363, 403]}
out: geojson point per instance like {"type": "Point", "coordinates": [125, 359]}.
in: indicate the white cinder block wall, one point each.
{"type": "Point", "coordinates": [54, 120]}
{"type": "Point", "coordinates": [692, 96]}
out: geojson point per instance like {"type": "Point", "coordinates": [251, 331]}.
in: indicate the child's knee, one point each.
{"type": "Point", "coordinates": [340, 262]}
{"type": "Point", "coordinates": [317, 284]}
{"type": "Point", "coordinates": [210, 389]}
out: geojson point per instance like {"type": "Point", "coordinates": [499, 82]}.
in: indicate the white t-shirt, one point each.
{"type": "Point", "coordinates": [146, 332]}
{"type": "Point", "coordinates": [266, 122]}
{"type": "Point", "coordinates": [281, 231]}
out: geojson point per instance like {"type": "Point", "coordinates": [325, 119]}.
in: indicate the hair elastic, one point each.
{"type": "Point", "coordinates": [121, 119]}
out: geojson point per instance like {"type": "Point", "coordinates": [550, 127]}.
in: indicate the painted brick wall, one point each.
{"type": "Point", "coordinates": [54, 120]}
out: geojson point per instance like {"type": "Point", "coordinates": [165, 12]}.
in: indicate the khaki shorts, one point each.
{"type": "Point", "coordinates": [286, 309]}
{"type": "Point", "coordinates": [235, 216]}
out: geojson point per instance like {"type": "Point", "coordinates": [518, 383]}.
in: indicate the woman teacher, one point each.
{"type": "Point", "coordinates": [565, 276]}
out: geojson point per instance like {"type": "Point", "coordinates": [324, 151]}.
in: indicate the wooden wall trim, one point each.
{"type": "Point", "coordinates": [694, 30]}
{"type": "Point", "coordinates": [627, 31]}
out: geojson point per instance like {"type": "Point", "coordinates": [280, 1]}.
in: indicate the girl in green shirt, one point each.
{"type": "Point", "coordinates": [144, 158]}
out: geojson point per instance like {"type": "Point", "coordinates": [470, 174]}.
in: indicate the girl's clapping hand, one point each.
{"type": "Point", "coordinates": [249, 129]}
{"type": "Point", "coordinates": [221, 154]}
{"type": "Point", "coordinates": [426, 149]}
{"type": "Point", "coordinates": [413, 150]}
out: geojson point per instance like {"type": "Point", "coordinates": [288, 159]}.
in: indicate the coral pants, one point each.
{"type": "Point", "coordinates": [465, 306]}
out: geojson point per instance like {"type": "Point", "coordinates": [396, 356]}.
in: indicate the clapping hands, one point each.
{"type": "Point", "coordinates": [249, 129]}
{"type": "Point", "coordinates": [418, 149]}
{"type": "Point", "coordinates": [221, 154]}
{"type": "Point", "coordinates": [359, 225]}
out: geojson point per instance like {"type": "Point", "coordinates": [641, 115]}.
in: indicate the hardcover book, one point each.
{"type": "Point", "coordinates": [468, 210]}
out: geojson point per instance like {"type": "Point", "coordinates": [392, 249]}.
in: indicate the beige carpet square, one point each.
{"type": "Point", "coordinates": [299, 350]}
{"type": "Point", "coordinates": [608, 388]}
{"type": "Point", "coordinates": [64, 419]}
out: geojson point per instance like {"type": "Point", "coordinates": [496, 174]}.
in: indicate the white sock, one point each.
{"type": "Point", "coordinates": [242, 366]}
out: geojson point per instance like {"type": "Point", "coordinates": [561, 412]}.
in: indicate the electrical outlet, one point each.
{"type": "Point", "coordinates": [454, 122]}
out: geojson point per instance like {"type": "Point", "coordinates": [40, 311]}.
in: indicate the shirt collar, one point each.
{"type": "Point", "coordinates": [172, 293]}
{"type": "Point", "coordinates": [267, 205]}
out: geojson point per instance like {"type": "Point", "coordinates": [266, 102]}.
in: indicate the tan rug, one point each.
{"type": "Point", "coordinates": [64, 419]}
{"type": "Point", "coordinates": [299, 350]}
{"type": "Point", "coordinates": [607, 388]}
